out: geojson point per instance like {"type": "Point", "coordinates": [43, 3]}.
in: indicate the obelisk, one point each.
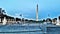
{"type": "Point", "coordinates": [37, 13]}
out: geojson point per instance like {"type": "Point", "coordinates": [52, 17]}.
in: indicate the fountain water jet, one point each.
{"type": "Point", "coordinates": [4, 21]}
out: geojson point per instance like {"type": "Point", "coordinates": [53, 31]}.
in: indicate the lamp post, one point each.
{"type": "Point", "coordinates": [15, 20]}
{"type": "Point", "coordinates": [24, 19]}
{"type": "Point", "coordinates": [21, 17]}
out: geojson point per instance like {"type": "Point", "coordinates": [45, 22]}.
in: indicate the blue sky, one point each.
{"type": "Point", "coordinates": [28, 8]}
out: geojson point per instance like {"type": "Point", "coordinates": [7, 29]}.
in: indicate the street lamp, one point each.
{"type": "Point", "coordinates": [22, 18]}
{"type": "Point", "coordinates": [15, 20]}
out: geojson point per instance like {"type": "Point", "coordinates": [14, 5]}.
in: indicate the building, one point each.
{"type": "Point", "coordinates": [8, 18]}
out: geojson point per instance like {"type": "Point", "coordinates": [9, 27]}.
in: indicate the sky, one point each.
{"type": "Point", "coordinates": [28, 8]}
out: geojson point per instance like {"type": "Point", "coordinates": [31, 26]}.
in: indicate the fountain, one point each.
{"type": "Point", "coordinates": [58, 23]}
{"type": "Point", "coordinates": [4, 21]}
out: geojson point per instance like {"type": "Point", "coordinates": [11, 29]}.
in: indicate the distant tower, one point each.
{"type": "Point", "coordinates": [37, 13]}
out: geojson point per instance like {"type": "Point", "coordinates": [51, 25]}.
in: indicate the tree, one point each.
{"type": "Point", "coordinates": [3, 11]}
{"type": "Point", "coordinates": [44, 20]}
{"type": "Point", "coordinates": [48, 20]}
{"type": "Point", "coordinates": [59, 17]}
